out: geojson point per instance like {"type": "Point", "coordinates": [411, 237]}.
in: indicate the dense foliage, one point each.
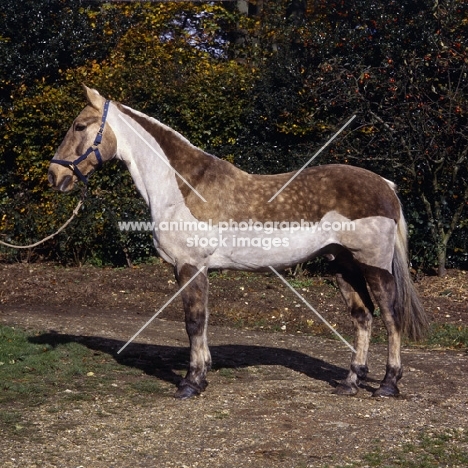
{"type": "Point", "coordinates": [263, 91]}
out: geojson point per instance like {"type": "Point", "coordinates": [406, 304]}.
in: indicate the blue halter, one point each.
{"type": "Point", "coordinates": [73, 165]}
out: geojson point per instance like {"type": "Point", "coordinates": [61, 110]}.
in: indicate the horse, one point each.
{"type": "Point", "coordinates": [208, 214]}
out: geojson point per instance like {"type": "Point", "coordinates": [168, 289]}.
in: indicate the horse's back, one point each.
{"type": "Point", "coordinates": [353, 192]}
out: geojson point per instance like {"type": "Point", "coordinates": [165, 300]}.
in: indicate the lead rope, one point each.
{"type": "Point", "coordinates": [30, 246]}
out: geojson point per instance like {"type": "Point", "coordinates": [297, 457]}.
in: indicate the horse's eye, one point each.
{"type": "Point", "coordinates": [80, 127]}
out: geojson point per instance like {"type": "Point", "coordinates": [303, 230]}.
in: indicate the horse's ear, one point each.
{"type": "Point", "coordinates": [94, 98]}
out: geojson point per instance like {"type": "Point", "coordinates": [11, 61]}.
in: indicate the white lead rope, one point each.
{"type": "Point", "coordinates": [30, 246]}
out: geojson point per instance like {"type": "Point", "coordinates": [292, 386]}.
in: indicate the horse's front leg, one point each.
{"type": "Point", "coordinates": [195, 300]}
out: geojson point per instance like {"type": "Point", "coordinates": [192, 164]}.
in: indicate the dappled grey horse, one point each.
{"type": "Point", "coordinates": [208, 214]}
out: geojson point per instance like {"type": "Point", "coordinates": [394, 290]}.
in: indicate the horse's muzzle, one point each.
{"type": "Point", "coordinates": [62, 184]}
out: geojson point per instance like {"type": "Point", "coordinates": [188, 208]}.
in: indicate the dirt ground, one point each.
{"type": "Point", "coordinates": [269, 401]}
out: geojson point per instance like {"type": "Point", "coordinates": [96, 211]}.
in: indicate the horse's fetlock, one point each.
{"type": "Point", "coordinates": [393, 373]}
{"type": "Point", "coordinates": [360, 370]}
{"type": "Point", "coordinates": [388, 387]}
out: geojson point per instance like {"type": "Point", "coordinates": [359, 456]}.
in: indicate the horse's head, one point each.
{"type": "Point", "coordinates": [88, 143]}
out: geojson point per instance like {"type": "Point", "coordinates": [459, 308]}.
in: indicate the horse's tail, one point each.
{"type": "Point", "coordinates": [412, 317]}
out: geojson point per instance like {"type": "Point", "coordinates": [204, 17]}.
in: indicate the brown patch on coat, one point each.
{"type": "Point", "coordinates": [234, 194]}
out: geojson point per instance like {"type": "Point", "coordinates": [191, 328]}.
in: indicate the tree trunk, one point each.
{"type": "Point", "coordinates": [251, 9]}
{"type": "Point", "coordinates": [243, 6]}
{"type": "Point", "coordinates": [441, 260]}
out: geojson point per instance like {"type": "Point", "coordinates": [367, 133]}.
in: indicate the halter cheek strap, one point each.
{"type": "Point", "coordinates": [73, 165]}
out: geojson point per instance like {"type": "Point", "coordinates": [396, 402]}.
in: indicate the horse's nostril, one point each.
{"type": "Point", "coordinates": [66, 184]}
{"type": "Point", "coordinates": [51, 178]}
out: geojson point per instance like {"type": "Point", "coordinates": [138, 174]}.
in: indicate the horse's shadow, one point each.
{"type": "Point", "coordinates": [162, 361]}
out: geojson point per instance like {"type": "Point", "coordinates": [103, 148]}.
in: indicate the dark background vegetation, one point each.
{"type": "Point", "coordinates": [262, 84]}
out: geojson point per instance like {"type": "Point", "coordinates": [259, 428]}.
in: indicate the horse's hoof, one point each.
{"type": "Point", "coordinates": [386, 390]}
{"type": "Point", "coordinates": [186, 391]}
{"type": "Point", "coordinates": [345, 389]}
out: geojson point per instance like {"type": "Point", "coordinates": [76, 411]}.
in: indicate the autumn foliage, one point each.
{"type": "Point", "coordinates": [263, 91]}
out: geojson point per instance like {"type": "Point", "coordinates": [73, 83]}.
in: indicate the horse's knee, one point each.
{"type": "Point", "coordinates": [195, 326]}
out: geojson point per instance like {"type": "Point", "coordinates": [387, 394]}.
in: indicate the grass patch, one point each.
{"type": "Point", "coordinates": [300, 283]}
{"type": "Point", "coordinates": [10, 417]}
{"type": "Point", "coordinates": [23, 366]}
{"type": "Point", "coordinates": [222, 414]}
{"type": "Point", "coordinates": [440, 335]}
{"type": "Point", "coordinates": [33, 370]}
{"type": "Point", "coordinates": [430, 450]}
{"type": "Point", "coordinates": [227, 373]}
{"type": "Point", "coordinates": [448, 336]}
{"type": "Point", "coordinates": [147, 386]}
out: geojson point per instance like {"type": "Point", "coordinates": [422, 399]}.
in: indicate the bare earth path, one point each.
{"type": "Point", "coordinates": [269, 402]}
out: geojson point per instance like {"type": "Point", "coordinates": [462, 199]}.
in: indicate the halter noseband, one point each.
{"type": "Point", "coordinates": [73, 165]}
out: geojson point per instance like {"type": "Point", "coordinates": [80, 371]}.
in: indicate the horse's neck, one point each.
{"type": "Point", "coordinates": [147, 164]}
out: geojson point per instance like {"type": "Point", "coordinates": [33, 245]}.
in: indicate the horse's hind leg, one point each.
{"type": "Point", "coordinates": [356, 296]}
{"type": "Point", "coordinates": [195, 300]}
{"type": "Point", "coordinates": [382, 285]}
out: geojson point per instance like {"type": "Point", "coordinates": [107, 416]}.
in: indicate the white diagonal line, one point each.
{"type": "Point", "coordinates": [312, 158]}
{"type": "Point", "coordinates": [160, 310]}
{"type": "Point", "coordinates": [152, 148]}
{"type": "Point", "coordinates": [312, 309]}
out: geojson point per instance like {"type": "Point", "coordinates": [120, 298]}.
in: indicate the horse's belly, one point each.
{"type": "Point", "coordinates": [256, 246]}
{"type": "Point", "coordinates": [371, 241]}
{"type": "Point", "coordinates": [251, 251]}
